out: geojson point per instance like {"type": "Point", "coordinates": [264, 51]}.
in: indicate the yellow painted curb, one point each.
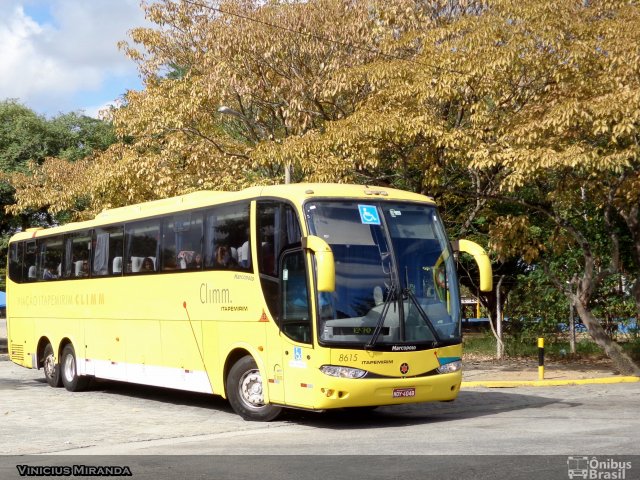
{"type": "Point", "coordinates": [547, 383]}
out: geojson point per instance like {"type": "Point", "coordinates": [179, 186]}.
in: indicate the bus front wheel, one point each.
{"type": "Point", "coordinates": [51, 368]}
{"type": "Point", "coordinates": [245, 392]}
{"type": "Point", "coordinates": [70, 378]}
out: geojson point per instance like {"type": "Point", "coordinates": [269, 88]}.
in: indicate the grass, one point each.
{"type": "Point", "coordinates": [632, 348]}
{"type": "Point", "coordinates": [484, 344]}
{"type": "Point", "coordinates": [479, 344]}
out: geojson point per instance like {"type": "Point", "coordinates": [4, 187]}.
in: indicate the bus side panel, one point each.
{"type": "Point", "coordinates": [105, 349]}
{"type": "Point", "coordinates": [182, 355]}
{"type": "Point", "coordinates": [66, 330]}
{"type": "Point", "coordinates": [175, 299]}
{"type": "Point", "coordinates": [142, 340]}
{"type": "Point", "coordinates": [20, 333]}
{"type": "Point", "coordinates": [211, 355]}
{"type": "Point", "coordinates": [21, 341]}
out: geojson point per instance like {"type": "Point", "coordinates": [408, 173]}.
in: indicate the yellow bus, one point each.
{"type": "Point", "coordinates": [312, 296]}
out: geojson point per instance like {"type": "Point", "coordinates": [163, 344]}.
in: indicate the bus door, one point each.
{"type": "Point", "coordinates": [284, 286]}
{"type": "Point", "coordinates": [296, 333]}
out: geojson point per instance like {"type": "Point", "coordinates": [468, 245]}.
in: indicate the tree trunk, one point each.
{"type": "Point", "coordinates": [636, 294]}
{"type": "Point", "coordinates": [632, 219]}
{"type": "Point", "coordinates": [572, 329]}
{"type": "Point", "coordinates": [622, 361]}
{"type": "Point", "coordinates": [492, 301]}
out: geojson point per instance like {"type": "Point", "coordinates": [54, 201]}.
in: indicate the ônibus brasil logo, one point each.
{"type": "Point", "coordinates": [597, 469]}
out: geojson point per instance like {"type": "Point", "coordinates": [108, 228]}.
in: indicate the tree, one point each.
{"type": "Point", "coordinates": [27, 140]}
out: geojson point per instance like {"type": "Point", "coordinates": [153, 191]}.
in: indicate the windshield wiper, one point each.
{"type": "Point", "coordinates": [391, 297]}
{"type": "Point", "coordinates": [407, 292]}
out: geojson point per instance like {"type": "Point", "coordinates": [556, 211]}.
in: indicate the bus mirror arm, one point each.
{"type": "Point", "coordinates": [481, 258]}
{"type": "Point", "coordinates": [325, 265]}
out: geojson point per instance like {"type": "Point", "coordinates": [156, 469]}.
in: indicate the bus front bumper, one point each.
{"type": "Point", "coordinates": [342, 392]}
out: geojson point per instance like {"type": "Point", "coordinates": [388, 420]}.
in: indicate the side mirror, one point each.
{"type": "Point", "coordinates": [325, 264]}
{"type": "Point", "coordinates": [481, 258]}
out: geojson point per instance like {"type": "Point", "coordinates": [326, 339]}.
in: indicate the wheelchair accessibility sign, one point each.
{"type": "Point", "coordinates": [369, 215]}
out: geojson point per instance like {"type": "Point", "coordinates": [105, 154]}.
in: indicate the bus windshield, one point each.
{"type": "Point", "coordinates": [396, 287]}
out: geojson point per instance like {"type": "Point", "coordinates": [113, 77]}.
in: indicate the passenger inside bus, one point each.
{"type": "Point", "coordinates": [185, 258]}
{"type": "Point", "coordinates": [47, 273]}
{"type": "Point", "coordinates": [223, 258]}
{"type": "Point", "coordinates": [147, 265]}
{"type": "Point", "coordinates": [170, 264]}
{"type": "Point", "coordinates": [244, 255]}
{"type": "Point", "coordinates": [196, 262]}
{"type": "Point", "coordinates": [81, 268]}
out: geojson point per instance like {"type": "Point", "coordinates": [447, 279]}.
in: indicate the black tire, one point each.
{"type": "Point", "coordinates": [69, 371]}
{"type": "Point", "coordinates": [244, 391]}
{"type": "Point", "coordinates": [51, 368]}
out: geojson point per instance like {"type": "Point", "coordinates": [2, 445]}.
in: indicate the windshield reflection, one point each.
{"type": "Point", "coordinates": [392, 258]}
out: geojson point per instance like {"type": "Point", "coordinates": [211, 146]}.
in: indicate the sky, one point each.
{"type": "Point", "coordinates": [59, 56]}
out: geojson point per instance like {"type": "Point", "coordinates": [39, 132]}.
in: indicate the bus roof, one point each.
{"type": "Point", "coordinates": [295, 192]}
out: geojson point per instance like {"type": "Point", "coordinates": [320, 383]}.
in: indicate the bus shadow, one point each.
{"type": "Point", "coordinates": [157, 394]}
{"type": "Point", "coordinates": [469, 404]}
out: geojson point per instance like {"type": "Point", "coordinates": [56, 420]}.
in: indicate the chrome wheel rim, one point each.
{"type": "Point", "coordinates": [49, 366]}
{"type": "Point", "coordinates": [69, 368]}
{"type": "Point", "coordinates": [250, 387]}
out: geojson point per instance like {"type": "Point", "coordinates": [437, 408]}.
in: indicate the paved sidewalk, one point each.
{"type": "Point", "coordinates": [515, 372]}
{"type": "Point", "coordinates": [527, 370]}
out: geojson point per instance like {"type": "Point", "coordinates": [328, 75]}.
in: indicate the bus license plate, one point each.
{"type": "Point", "coordinates": [404, 392]}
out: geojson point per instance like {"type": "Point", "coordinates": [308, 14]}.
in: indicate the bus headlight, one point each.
{"type": "Point", "coordinates": [342, 372]}
{"type": "Point", "coordinates": [450, 367]}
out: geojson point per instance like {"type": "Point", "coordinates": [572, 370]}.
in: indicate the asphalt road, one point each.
{"type": "Point", "coordinates": [121, 419]}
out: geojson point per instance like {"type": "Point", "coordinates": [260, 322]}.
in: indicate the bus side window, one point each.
{"type": "Point", "coordinates": [278, 230]}
{"type": "Point", "coordinates": [50, 258]}
{"type": "Point", "coordinates": [30, 273]}
{"type": "Point", "coordinates": [227, 239]}
{"type": "Point", "coordinates": [15, 262]}
{"type": "Point", "coordinates": [182, 242]}
{"type": "Point", "coordinates": [107, 251]}
{"type": "Point", "coordinates": [295, 316]}
{"type": "Point", "coordinates": [77, 255]}
{"type": "Point", "coordinates": [143, 245]}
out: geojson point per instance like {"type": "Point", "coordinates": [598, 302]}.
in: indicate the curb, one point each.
{"type": "Point", "coordinates": [548, 383]}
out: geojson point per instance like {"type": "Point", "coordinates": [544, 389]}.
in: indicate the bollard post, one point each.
{"type": "Point", "coordinates": [540, 358]}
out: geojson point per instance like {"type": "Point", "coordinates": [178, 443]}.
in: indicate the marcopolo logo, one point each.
{"type": "Point", "coordinates": [596, 468]}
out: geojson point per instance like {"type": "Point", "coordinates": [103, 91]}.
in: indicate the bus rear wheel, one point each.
{"type": "Point", "coordinates": [51, 368]}
{"type": "Point", "coordinates": [245, 392]}
{"type": "Point", "coordinates": [70, 378]}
